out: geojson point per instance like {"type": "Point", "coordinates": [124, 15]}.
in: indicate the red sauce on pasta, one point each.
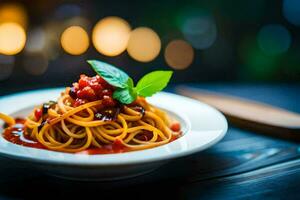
{"type": "Point", "coordinates": [15, 134]}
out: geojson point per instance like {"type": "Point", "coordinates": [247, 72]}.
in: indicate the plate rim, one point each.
{"type": "Point", "coordinates": [84, 162]}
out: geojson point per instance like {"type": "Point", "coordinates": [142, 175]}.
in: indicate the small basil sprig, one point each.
{"type": "Point", "coordinates": [125, 91]}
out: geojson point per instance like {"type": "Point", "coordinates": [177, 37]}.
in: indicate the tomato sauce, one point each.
{"type": "Point", "coordinates": [15, 134]}
{"type": "Point", "coordinates": [91, 89]}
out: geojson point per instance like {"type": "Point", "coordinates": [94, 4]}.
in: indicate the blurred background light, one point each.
{"type": "Point", "coordinates": [36, 40]}
{"type": "Point", "coordinates": [35, 63]}
{"type": "Point", "coordinates": [144, 44]}
{"type": "Point", "coordinates": [211, 33]}
{"type": "Point", "coordinates": [255, 63]}
{"type": "Point", "coordinates": [13, 12]}
{"type": "Point", "coordinates": [110, 36]}
{"type": "Point", "coordinates": [12, 38]}
{"type": "Point", "coordinates": [75, 40]}
{"type": "Point", "coordinates": [179, 54]}
{"type": "Point", "coordinates": [274, 39]}
{"type": "Point", "coordinates": [6, 66]}
{"type": "Point", "coordinates": [291, 11]}
{"type": "Point", "coordinates": [200, 29]}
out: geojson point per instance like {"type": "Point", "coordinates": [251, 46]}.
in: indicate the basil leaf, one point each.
{"type": "Point", "coordinates": [153, 82]}
{"type": "Point", "coordinates": [125, 95]}
{"type": "Point", "coordinates": [130, 83]}
{"type": "Point", "coordinates": [125, 91]}
{"type": "Point", "coordinates": [111, 74]}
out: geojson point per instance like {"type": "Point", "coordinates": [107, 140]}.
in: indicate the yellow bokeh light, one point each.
{"type": "Point", "coordinates": [110, 36]}
{"type": "Point", "coordinates": [12, 38]}
{"type": "Point", "coordinates": [75, 40]}
{"type": "Point", "coordinates": [179, 54]}
{"type": "Point", "coordinates": [144, 44]}
{"type": "Point", "coordinates": [13, 13]}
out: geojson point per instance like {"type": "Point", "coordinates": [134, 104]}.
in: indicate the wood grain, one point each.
{"type": "Point", "coordinates": [250, 114]}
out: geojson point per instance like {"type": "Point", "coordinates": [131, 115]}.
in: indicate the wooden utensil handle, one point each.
{"type": "Point", "coordinates": [250, 114]}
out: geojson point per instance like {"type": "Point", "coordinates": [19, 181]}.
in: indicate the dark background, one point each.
{"type": "Point", "coordinates": [255, 55]}
{"type": "Point", "coordinates": [242, 51]}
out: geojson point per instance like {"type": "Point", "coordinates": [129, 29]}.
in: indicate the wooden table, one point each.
{"type": "Point", "coordinates": [244, 165]}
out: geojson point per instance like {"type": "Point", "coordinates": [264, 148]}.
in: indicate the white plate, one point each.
{"type": "Point", "coordinates": [203, 126]}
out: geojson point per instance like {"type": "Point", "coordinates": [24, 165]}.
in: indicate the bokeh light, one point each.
{"type": "Point", "coordinates": [12, 38]}
{"type": "Point", "coordinates": [274, 39]}
{"type": "Point", "coordinates": [200, 30]}
{"type": "Point", "coordinates": [291, 11]}
{"type": "Point", "coordinates": [6, 66]}
{"type": "Point", "coordinates": [13, 12]}
{"type": "Point", "coordinates": [255, 63]}
{"type": "Point", "coordinates": [75, 40]}
{"type": "Point", "coordinates": [35, 63]}
{"type": "Point", "coordinates": [36, 40]}
{"type": "Point", "coordinates": [179, 54]}
{"type": "Point", "coordinates": [110, 36]}
{"type": "Point", "coordinates": [144, 44]}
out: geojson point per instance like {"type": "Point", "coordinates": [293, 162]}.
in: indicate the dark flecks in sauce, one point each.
{"type": "Point", "coordinates": [139, 109]}
{"type": "Point", "coordinates": [15, 134]}
{"type": "Point", "coordinates": [144, 136]}
{"type": "Point", "coordinates": [5, 125]}
{"type": "Point", "coordinates": [72, 93]}
{"type": "Point", "coordinates": [48, 105]}
{"type": "Point", "coordinates": [108, 114]}
{"type": "Point", "coordinates": [41, 125]}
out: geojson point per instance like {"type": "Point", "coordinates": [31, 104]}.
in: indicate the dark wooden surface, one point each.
{"type": "Point", "coordinates": [244, 165]}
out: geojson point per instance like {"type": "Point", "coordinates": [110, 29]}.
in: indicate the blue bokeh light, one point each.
{"type": "Point", "coordinates": [199, 29]}
{"type": "Point", "coordinates": [274, 39]}
{"type": "Point", "coordinates": [291, 11]}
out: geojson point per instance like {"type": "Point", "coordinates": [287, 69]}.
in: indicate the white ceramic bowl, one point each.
{"type": "Point", "coordinates": [202, 125]}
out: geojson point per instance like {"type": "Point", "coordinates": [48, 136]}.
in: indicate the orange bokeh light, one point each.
{"type": "Point", "coordinates": [144, 44]}
{"type": "Point", "coordinates": [75, 40]}
{"type": "Point", "coordinates": [110, 36]}
{"type": "Point", "coordinates": [179, 54]}
{"type": "Point", "coordinates": [12, 38]}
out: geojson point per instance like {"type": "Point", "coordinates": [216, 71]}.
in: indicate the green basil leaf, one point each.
{"type": "Point", "coordinates": [153, 82]}
{"type": "Point", "coordinates": [125, 95]}
{"type": "Point", "coordinates": [130, 83]}
{"type": "Point", "coordinates": [111, 74]}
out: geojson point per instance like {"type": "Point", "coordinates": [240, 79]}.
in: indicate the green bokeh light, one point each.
{"type": "Point", "coordinates": [255, 64]}
{"type": "Point", "coordinates": [274, 39]}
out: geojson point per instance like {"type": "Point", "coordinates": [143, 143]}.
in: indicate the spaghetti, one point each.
{"type": "Point", "coordinates": [82, 121]}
